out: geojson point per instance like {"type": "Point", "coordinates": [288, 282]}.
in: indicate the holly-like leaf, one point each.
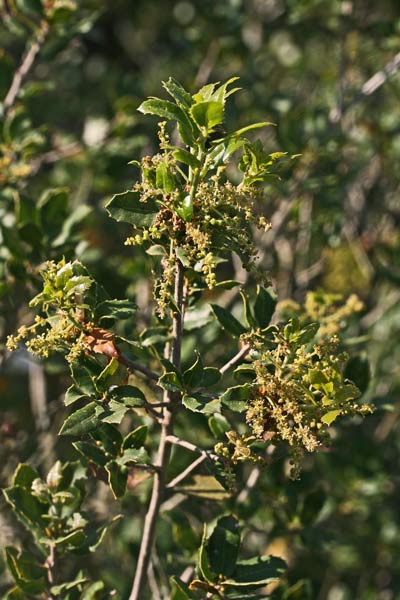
{"type": "Point", "coordinates": [264, 307]}
{"type": "Point", "coordinates": [115, 309]}
{"type": "Point", "coordinates": [117, 478]}
{"type": "Point", "coordinates": [24, 476]}
{"type": "Point", "coordinates": [128, 395]}
{"type": "Point", "coordinates": [236, 397]}
{"type": "Point", "coordinates": [91, 453]}
{"type": "Point", "coordinates": [257, 571]}
{"type": "Point", "coordinates": [136, 438]}
{"type": "Point", "coordinates": [223, 546]}
{"type": "Point", "coordinates": [193, 376]}
{"type": "Point", "coordinates": [200, 403]}
{"type": "Point", "coordinates": [171, 382]}
{"type": "Point", "coordinates": [170, 111]}
{"type": "Point", "coordinates": [82, 421]}
{"type": "Point", "coordinates": [208, 114]}
{"type": "Point", "coordinates": [204, 561]}
{"type": "Point", "coordinates": [178, 92]}
{"type": "Point", "coordinates": [27, 508]}
{"type": "Point", "coordinates": [128, 208]}
{"type": "Point", "coordinates": [27, 573]}
{"type": "Point", "coordinates": [228, 321]}
{"type": "Point", "coordinates": [73, 394]}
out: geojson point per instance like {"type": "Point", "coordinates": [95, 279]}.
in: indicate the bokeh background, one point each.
{"type": "Point", "coordinates": [325, 71]}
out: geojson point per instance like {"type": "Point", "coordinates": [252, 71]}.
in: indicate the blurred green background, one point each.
{"type": "Point", "coordinates": [303, 64]}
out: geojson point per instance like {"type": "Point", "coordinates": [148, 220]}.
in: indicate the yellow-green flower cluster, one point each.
{"type": "Point", "coordinates": [220, 222]}
{"type": "Point", "coordinates": [299, 391]}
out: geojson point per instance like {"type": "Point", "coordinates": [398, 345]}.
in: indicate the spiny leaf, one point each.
{"type": "Point", "coordinates": [128, 208]}
{"type": "Point", "coordinates": [228, 321]}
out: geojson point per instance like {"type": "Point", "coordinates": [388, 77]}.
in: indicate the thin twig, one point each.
{"type": "Point", "coordinates": [233, 361]}
{"type": "Point", "coordinates": [187, 471]}
{"type": "Point", "coordinates": [131, 364]}
{"type": "Point", "coordinates": [25, 66]}
{"type": "Point", "coordinates": [173, 439]}
{"type": "Point", "coordinates": [163, 453]}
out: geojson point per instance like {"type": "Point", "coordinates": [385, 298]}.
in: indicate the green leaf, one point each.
{"type": "Point", "coordinates": [307, 333]}
{"type": "Point", "coordinates": [72, 540]}
{"type": "Point", "coordinates": [128, 208]}
{"type": "Point", "coordinates": [27, 573]}
{"type": "Point", "coordinates": [179, 590]}
{"type": "Point", "coordinates": [164, 178]}
{"type": "Point", "coordinates": [115, 412]}
{"type": "Point", "coordinates": [117, 478]}
{"type": "Point", "coordinates": [134, 455]}
{"type": "Point", "coordinates": [223, 546]}
{"type": "Point", "coordinates": [170, 111]}
{"type": "Point", "coordinates": [178, 92]}
{"type": "Point", "coordinates": [264, 307]}
{"type": "Point", "coordinates": [24, 476]}
{"type": "Point", "coordinates": [91, 453]}
{"type": "Point", "coordinates": [84, 374]}
{"type": "Point", "coordinates": [236, 397]}
{"type": "Point", "coordinates": [136, 438]}
{"type": "Point", "coordinates": [109, 438]}
{"type": "Point", "coordinates": [82, 421]}
{"type": "Point", "coordinates": [204, 562]}
{"type": "Point", "coordinates": [331, 416]}
{"type": "Point", "coordinates": [115, 309]}
{"type": "Point", "coordinates": [211, 376]}
{"type": "Point", "coordinates": [57, 590]}
{"type": "Point", "coordinates": [27, 508]}
{"type": "Point", "coordinates": [186, 157]}
{"type": "Point", "coordinates": [73, 394]}
{"type": "Point", "coordinates": [128, 395]}
{"type": "Point", "coordinates": [208, 114]}
{"type": "Point", "coordinates": [247, 128]}
{"type": "Point", "coordinates": [102, 380]}
{"type": "Point", "coordinates": [218, 426]}
{"type": "Point", "coordinates": [228, 321]}
{"type": "Point", "coordinates": [250, 320]}
{"type": "Point", "coordinates": [193, 376]}
{"type": "Point", "coordinates": [91, 592]}
{"type": "Point", "coordinates": [200, 403]}
{"type": "Point", "coordinates": [185, 208]}
{"type": "Point", "coordinates": [257, 571]}
{"type": "Point", "coordinates": [171, 382]}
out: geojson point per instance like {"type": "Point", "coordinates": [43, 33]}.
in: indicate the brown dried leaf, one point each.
{"type": "Point", "coordinates": [101, 341]}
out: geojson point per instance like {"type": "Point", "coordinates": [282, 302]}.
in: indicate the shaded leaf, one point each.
{"type": "Point", "coordinates": [223, 546]}
{"type": "Point", "coordinates": [82, 421]}
{"type": "Point", "coordinates": [117, 478]}
{"type": "Point", "coordinates": [24, 476]}
{"type": "Point", "coordinates": [228, 321]}
{"type": "Point", "coordinates": [264, 307]}
{"type": "Point", "coordinates": [236, 397]}
{"type": "Point", "coordinates": [257, 571]}
{"type": "Point", "coordinates": [128, 208]}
